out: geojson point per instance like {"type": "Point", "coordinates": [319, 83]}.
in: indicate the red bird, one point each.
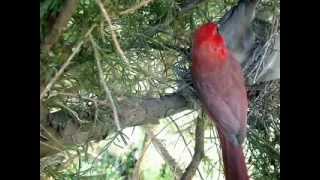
{"type": "Point", "coordinates": [218, 78]}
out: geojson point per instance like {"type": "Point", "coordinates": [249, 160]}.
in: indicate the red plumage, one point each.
{"type": "Point", "coordinates": [218, 78]}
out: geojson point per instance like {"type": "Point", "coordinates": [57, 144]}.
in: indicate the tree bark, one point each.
{"type": "Point", "coordinates": [60, 24]}
{"type": "Point", "coordinates": [134, 111]}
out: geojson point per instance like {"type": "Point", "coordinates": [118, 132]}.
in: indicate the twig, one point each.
{"type": "Point", "coordinates": [264, 143]}
{"type": "Point", "coordinates": [265, 48]}
{"type": "Point", "coordinates": [136, 170]}
{"type": "Point", "coordinates": [198, 151]}
{"type": "Point", "coordinates": [51, 147]}
{"type": "Point", "coordinates": [215, 137]}
{"type": "Point", "coordinates": [219, 155]}
{"type": "Point", "coordinates": [190, 5]}
{"type": "Point", "coordinates": [79, 163]}
{"type": "Point", "coordinates": [96, 101]}
{"type": "Point", "coordinates": [172, 120]}
{"type": "Point", "coordinates": [136, 7]}
{"type": "Point", "coordinates": [73, 95]}
{"type": "Point", "coordinates": [113, 33]}
{"type": "Point", "coordinates": [65, 65]}
{"type": "Point", "coordinates": [96, 113]}
{"type": "Point", "coordinates": [104, 84]}
{"type": "Point", "coordinates": [75, 114]}
{"type": "Point", "coordinates": [267, 65]}
{"type": "Point", "coordinates": [180, 132]}
{"type": "Point", "coordinates": [185, 142]}
{"type": "Point", "coordinates": [60, 24]}
{"type": "Point", "coordinates": [102, 32]}
{"type": "Point", "coordinates": [106, 89]}
{"type": "Point", "coordinates": [51, 136]}
{"type": "Point", "coordinates": [164, 152]}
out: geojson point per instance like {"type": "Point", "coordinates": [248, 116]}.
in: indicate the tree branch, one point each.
{"type": "Point", "coordinates": [198, 151]}
{"type": "Point", "coordinates": [133, 111]}
{"type": "Point", "coordinates": [186, 7]}
{"type": "Point", "coordinates": [189, 5]}
{"type": "Point", "coordinates": [66, 64]}
{"type": "Point", "coordinates": [136, 7]}
{"type": "Point", "coordinates": [104, 84]}
{"type": "Point", "coordinates": [113, 33]}
{"type": "Point", "coordinates": [59, 25]}
{"type": "Point", "coordinates": [164, 153]}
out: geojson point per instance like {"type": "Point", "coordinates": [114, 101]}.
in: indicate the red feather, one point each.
{"type": "Point", "coordinates": [218, 78]}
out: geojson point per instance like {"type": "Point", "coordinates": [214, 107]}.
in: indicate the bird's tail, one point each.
{"type": "Point", "coordinates": [233, 159]}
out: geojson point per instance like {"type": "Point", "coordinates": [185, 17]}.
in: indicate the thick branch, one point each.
{"type": "Point", "coordinates": [133, 111]}
{"type": "Point", "coordinates": [59, 25]}
{"type": "Point", "coordinates": [253, 42]}
{"type": "Point", "coordinates": [139, 111]}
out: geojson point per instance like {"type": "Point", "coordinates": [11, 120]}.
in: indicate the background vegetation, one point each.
{"type": "Point", "coordinates": [127, 64]}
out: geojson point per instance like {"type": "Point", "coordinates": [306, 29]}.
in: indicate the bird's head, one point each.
{"type": "Point", "coordinates": [207, 36]}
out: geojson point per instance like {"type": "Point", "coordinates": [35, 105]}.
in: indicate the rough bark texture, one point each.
{"type": "Point", "coordinates": [132, 111]}
{"type": "Point", "coordinates": [60, 24]}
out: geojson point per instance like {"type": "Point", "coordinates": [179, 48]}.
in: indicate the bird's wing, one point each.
{"type": "Point", "coordinates": [226, 101]}
{"type": "Point", "coordinates": [218, 107]}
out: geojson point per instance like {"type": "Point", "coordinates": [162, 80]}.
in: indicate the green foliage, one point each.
{"type": "Point", "coordinates": [164, 173]}
{"type": "Point", "coordinates": [155, 39]}
{"type": "Point", "coordinates": [108, 167]}
{"type": "Point", "coordinates": [264, 134]}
